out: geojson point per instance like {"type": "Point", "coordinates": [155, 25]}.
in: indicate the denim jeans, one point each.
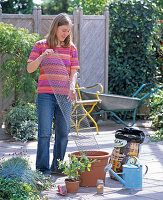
{"type": "Point", "coordinates": [47, 108]}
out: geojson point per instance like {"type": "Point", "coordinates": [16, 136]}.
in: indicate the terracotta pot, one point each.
{"type": "Point", "coordinates": [72, 186]}
{"type": "Point", "coordinates": [89, 178]}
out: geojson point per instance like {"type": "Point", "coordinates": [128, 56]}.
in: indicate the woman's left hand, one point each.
{"type": "Point", "coordinates": [72, 96]}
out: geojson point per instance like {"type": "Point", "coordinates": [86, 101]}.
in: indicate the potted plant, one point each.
{"type": "Point", "coordinates": [96, 171]}
{"type": "Point", "coordinates": [73, 169]}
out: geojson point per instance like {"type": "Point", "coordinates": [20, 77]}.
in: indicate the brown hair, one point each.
{"type": "Point", "coordinates": [60, 20]}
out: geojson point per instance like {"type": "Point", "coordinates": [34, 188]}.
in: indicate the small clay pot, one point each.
{"type": "Point", "coordinates": [72, 186]}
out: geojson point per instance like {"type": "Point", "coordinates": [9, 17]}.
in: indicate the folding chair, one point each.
{"type": "Point", "coordinates": [78, 117]}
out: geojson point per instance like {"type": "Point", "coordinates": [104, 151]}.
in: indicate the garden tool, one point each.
{"type": "Point", "coordinates": [62, 191]}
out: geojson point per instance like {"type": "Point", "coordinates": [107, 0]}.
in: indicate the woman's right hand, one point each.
{"type": "Point", "coordinates": [31, 67]}
{"type": "Point", "coordinates": [47, 52]}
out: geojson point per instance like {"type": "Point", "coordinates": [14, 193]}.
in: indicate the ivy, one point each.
{"type": "Point", "coordinates": [132, 51]}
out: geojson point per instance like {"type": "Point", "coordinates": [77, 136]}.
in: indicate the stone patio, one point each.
{"type": "Point", "coordinates": [151, 154]}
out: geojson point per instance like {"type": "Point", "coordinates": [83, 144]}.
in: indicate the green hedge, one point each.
{"type": "Point", "coordinates": [132, 52]}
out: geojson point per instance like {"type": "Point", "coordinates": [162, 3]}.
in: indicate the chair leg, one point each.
{"type": "Point", "coordinates": [87, 113]}
{"type": "Point", "coordinates": [76, 121]}
{"type": "Point", "coordinates": [75, 126]}
{"type": "Point", "coordinates": [94, 123]}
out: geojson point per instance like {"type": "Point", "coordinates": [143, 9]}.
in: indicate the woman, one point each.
{"type": "Point", "coordinates": [57, 57]}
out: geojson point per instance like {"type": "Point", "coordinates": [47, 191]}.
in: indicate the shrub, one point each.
{"type": "Point", "coordinates": [14, 189]}
{"type": "Point", "coordinates": [16, 171]}
{"type": "Point", "coordinates": [18, 168]}
{"type": "Point", "coordinates": [16, 45]}
{"type": "Point", "coordinates": [21, 122]}
{"type": "Point", "coordinates": [156, 115]}
{"type": "Point", "coordinates": [132, 53]}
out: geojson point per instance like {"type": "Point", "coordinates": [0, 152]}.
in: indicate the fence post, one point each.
{"type": "Point", "coordinates": [39, 13]}
{"type": "Point", "coordinates": [0, 13]}
{"type": "Point", "coordinates": [76, 28]}
{"type": "Point", "coordinates": [37, 20]}
{"type": "Point", "coordinates": [80, 40]}
{"type": "Point", "coordinates": [106, 13]}
{"type": "Point", "coordinates": [35, 28]}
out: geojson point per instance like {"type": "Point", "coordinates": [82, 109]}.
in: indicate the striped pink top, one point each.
{"type": "Point", "coordinates": [56, 68]}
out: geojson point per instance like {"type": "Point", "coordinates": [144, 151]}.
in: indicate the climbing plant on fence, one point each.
{"type": "Point", "coordinates": [16, 45]}
{"type": "Point", "coordinates": [132, 53]}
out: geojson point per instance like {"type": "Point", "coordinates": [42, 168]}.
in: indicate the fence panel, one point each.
{"type": "Point", "coordinates": [92, 45]}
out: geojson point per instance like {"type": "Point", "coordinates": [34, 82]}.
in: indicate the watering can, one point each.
{"type": "Point", "coordinates": [132, 176]}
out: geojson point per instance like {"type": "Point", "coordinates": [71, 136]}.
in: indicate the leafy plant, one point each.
{"type": "Point", "coordinates": [75, 166]}
{"type": "Point", "coordinates": [14, 7]}
{"type": "Point", "coordinates": [132, 53]}
{"type": "Point", "coordinates": [90, 7]}
{"type": "Point", "coordinates": [156, 115]}
{"type": "Point", "coordinates": [17, 168]}
{"type": "Point", "coordinates": [54, 7]}
{"type": "Point", "coordinates": [21, 122]}
{"type": "Point", "coordinates": [16, 45]}
{"type": "Point", "coordinates": [158, 45]}
{"type": "Point", "coordinates": [14, 189]}
{"type": "Point", "coordinates": [159, 4]}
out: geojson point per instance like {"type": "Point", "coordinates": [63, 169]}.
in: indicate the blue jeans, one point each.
{"type": "Point", "coordinates": [48, 107]}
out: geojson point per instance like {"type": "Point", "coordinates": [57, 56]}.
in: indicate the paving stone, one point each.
{"type": "Point", "coordinates": [151, 154]}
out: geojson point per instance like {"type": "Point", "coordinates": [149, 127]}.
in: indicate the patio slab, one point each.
{"type": "Point", "coordinates": [151, 154]}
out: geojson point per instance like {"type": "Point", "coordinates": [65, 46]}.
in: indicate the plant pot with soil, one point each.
{"type": "Point", "coordinates": [88, 178]}
{"type": "Point", "coordinates": [73, 169]}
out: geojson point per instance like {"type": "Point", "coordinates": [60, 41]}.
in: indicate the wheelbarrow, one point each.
{"type": "Point", "coordinates": [113, 104]}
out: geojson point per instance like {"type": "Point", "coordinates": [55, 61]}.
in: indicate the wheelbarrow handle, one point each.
{"type": "Point", "coordinates": [148, 84]}
{"type": "Point", "coordinates": [151, 92]}
{"type": "Point", "coordinates": [141, 87]}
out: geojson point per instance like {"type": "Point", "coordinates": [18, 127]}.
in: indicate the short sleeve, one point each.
{"type": "Point", "coordinates": [74, 58]}
{"type": "Point", "coordinates": [35, 53]}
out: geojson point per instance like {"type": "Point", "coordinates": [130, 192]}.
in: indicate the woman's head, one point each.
{"type": "Point", "coordinates": [60, 30]}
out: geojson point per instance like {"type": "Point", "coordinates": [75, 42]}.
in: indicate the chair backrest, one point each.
{"type": "Point", "coordinates": [80, 96]}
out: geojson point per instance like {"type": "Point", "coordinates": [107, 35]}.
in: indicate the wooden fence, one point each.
{"type": "Point", "coordinates": [90, 35]}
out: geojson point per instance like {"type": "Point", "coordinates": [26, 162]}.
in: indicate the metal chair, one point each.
{"type": "Point", "coordinates": [76, 116]}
